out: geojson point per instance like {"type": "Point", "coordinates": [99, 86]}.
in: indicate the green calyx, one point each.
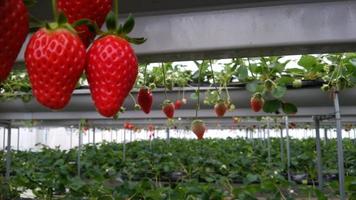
{"type": "Point", "coordinates": [197, 122]}
{"type": "Point", "coordinates": [61, 22]}
{"type": "Point", "coordinates": [122, 30]}
{"type": "Point", "coordinates": [257, 96]}
{"type": "Point", "coordinates": [166, 102]}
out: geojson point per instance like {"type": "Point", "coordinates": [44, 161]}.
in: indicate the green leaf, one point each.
{"type": "Point", "coordinates": [111, 21]}
{"type": "Point", "coordinates": [129, 25]}
{"type": "Point", "coordinates": [252, 86]}
{"type": "Point", "coordinates": [62, 19]}
{"type": "Point", "coordinates": [242, 73]}
{"type": "Point", "coordinates": [307, 61]}
{"type": "Point", "coordinates": [289, 108]}
{"type": "Point", "coordinates": [272, 106]}
{"type": "Point", "coordinates": [279, 91]}
{"type": "Point", "coordinates": [194, 96]}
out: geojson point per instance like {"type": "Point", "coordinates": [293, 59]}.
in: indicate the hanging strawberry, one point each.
{"type": "Point", "coordinates": [198, 128]}
{"type": "Point", "coordinates": [14, 29]}
{"type": "Point", "coordinates": [112, 66]}
{"type": "Point", "coordinates": [257, 102]}
{"type": "Point", "coordinates": [168, 109]}
{"type": "Point", "coordinates": [220, 108]}
{"type": "Point", "coordinates": [95, 11]}
{"type": "Point", "coordinates": [144, 99]}
{"type": "Point", "coordinates": [55, 59]}
{"type": "Point", "coordinates": [144, 96]}
{"type": "Point", "coordinates": [178, 104]}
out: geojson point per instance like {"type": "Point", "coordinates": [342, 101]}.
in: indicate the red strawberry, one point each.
{"type": "Point", "coordinates": [111, 70]}
{"type": "Point", "coordinates": [55, 60]}
{"type": "Point", "coordinates": [256, 102]}
{"type": "Point", "coordinates": [89, 9]}
{"type": "Point", "coordinates": [198, 128]}
{"type": "Point", "coordinates": [168, 109]}
{"type": "Point", "coordinates": [220, 108]}
{"type": "Point", "coordinates": [178, 104]}
{"type": "Point", "coordinates": [144, 99]}
{"type": "Point", "coordinates": [14, 29]}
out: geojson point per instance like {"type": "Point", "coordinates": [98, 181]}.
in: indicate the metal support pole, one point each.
{"type": "Point", "coordinates": [269, 143]}
{"type": "Point", "coordinates": [325, 135]}
{"type": "Point", "coordinates": [116, 135]}
{"type": "Point", "coordinates": [8, 154]}
{"type": "Point", "coordinates": [130, 136]}
{"type": "Point", "coordinates": [168, 136]}
{"type": "Point", "coordinates": [282, 147]}
{"type": "Point", "coordinates": [246, 134]}
{"type": "Point", "coordinates": [79, 150]}
{"type": "Point", "coordinates": [288, 149]}
{"type": "Point", "coordinates": [71, 138]}
{"type": "Point", "coordinates": [340, 151]}
{"type": "Point", "coordinates": [3, 139]}
{"type": "Point", "coordinates": [124, 147]}
{"type": "Point", "coordinates": [94, 135]}
{"type": "Point", "coordinates": [18, 139]}
{"type": "Point", "coordinates": [318, 153]}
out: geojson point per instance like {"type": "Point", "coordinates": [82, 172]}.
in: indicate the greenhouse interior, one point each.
{"type": "Point", "coordinates": [178, 100]}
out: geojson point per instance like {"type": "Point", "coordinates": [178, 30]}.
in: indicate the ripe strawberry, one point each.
{"type": "Point", "coordinates": [220, 108]}
{"type": "Point", "coordinates": [178, 104]}
{"type": "Point", "coordinates": [89, 9]}
{"type": "Point", "coordinates": [144, 99]}
{"type": "Point", "coordinates": [14, 29]}
{"type": "Point", "coordinates": [55, 60]}
{"type": "Point", "coordinates": [111, 70]}
{"type": "Point", "coordinates": [198, 128]}
{"type": "Point", "coordinates": [168, 109]}
{"type": "Point", "coordinates": [256, 102]}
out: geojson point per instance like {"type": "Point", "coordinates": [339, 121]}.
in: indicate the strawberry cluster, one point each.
{"type": "Point", "coordinates": [57, 54]}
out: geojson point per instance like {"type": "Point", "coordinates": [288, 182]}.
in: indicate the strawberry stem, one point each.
{"type": "Point", "coordinates": [145, 75]}
{"type": "Point", "coordinates": [198, 92]}
{"type": "Point", "coordinates": [116, 10]}
{"type": "Point", "coordinates": [164, 80]}
{"type": "Point", "coordinates": [213, 75]}
{"type": "Point", "coordinates": [54, 10]}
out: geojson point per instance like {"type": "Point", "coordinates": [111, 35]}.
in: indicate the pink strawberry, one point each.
{"type": "Point", "coordinates": [178, 104]}
{"type": "Point", "coordinates": [220, 108]}
{"type": "Point", "coordinates": [198, 128]}
{"type": "Point", "coordinates": [14, 29]}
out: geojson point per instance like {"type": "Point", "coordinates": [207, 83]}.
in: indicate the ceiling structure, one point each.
{"type": "Point", "coordinates": [196, 29]}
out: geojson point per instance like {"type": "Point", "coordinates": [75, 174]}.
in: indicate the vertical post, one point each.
{"type": "Point", "coordinates": [124, 147]}
{"type": "Point", "coordinates": [18, 139]}
{"type": "Point", "coordinates": [79, 150]}
{"type": "Point", "coordinates": [282, 147]}
{"type": "Point", "coordinates": [115, 135]}
{"type": "Point", "coordinates": [131, 136]}
{"type": "Point", "coordinates": [318, 152]}
{"type": "Point", "coordinates": [3, 139]}
{"type": "Point", "coordinates": [168, 136]}
{"type": "Point", "coordinates": [288, 149]}
{"type": "Point", "coordinates": [94, 135]}
{"type": "Point", "coordinates": [71, 137]}
{"type": "Point", "coordinates": [268, 142]}
{"type": "Point", "coordinates": [8, 154]}
{"type": "Point", "coordinates": [246, 133]}
{"type": "Point", "coordinates": [110, 135]}
{"type": "Point", "coordinates": [340, 151]}
{"type": "Point", "coordinates": [325, 135]}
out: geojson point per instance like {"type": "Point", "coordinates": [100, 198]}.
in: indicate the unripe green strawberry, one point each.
{"type": "Point", "coordinates": [297, 83]}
